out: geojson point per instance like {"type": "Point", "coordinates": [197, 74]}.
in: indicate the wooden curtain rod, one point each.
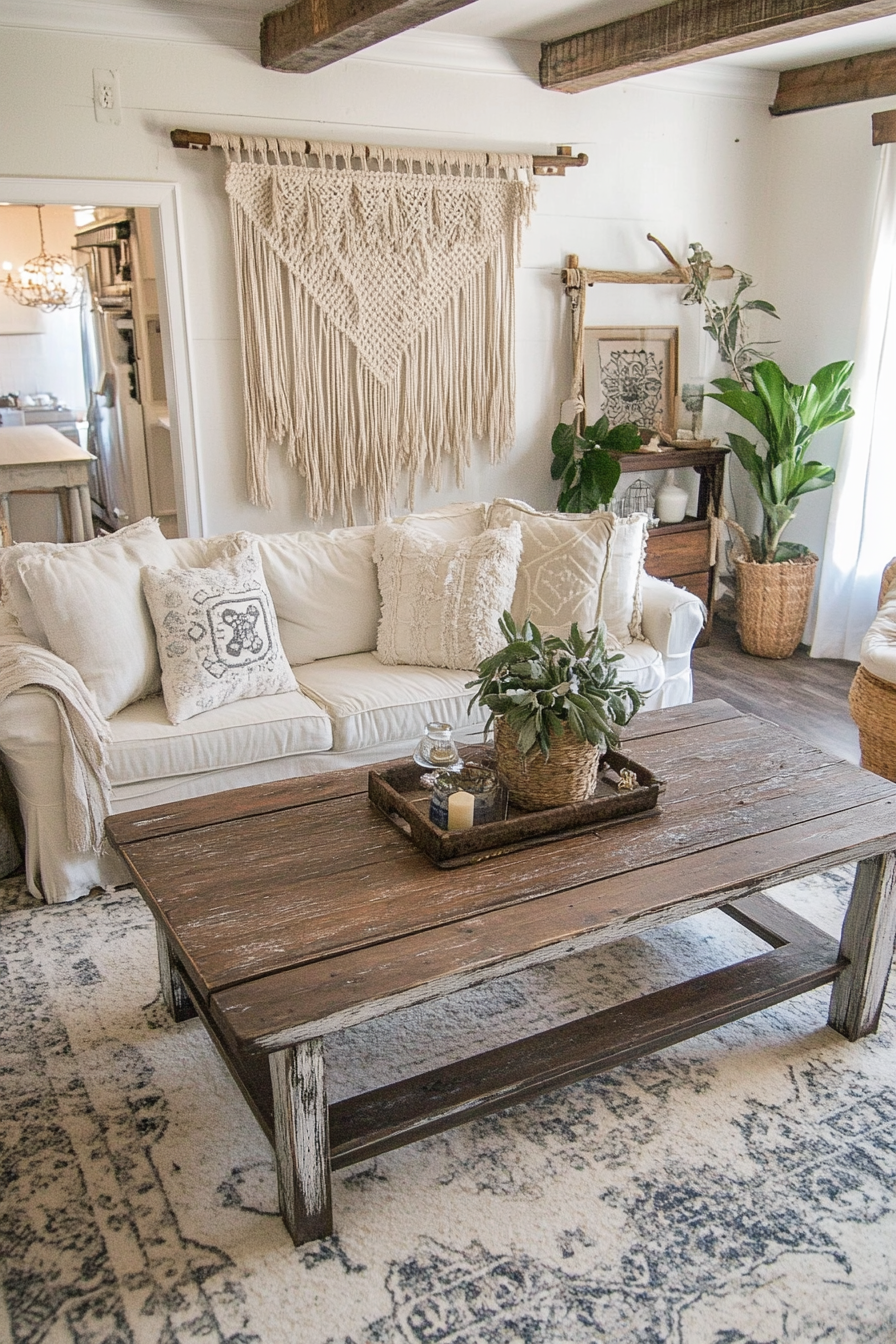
{"type": "Point", "coordinates": [544, 165]}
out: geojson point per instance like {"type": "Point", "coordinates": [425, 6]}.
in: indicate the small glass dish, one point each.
{"type": "Point", "coordinates": [436, 749]}
{"type": "Point", "coordinates": [486, 786]}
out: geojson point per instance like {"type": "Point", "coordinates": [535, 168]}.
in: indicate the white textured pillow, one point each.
{"type": "Point", "coordinates": [561, 577]}
{"type": "Point", "coordinates": [323, 586]}
{"type": "Point", "coordinates": [584, 579]}
{"type": "Point", "coordinates": [15, 594]}
{"type": "Point", "coordinates": [443, 600]}
{"type": "Point", "coordinates": [91, 609]}
{"type": "Point", "coordinates": [216, 633]}
{"type": "Point", "coordinates": [622, 604]}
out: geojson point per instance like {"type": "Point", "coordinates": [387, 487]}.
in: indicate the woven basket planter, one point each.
{"type": "Point", "coordinates": [773, 604]}
{"type": "Point", "coordinates": [872, 703]}
{"type": "Point", "coordinates": [568, 776]}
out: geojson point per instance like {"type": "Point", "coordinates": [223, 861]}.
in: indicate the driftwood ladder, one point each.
{"type": "Point", "coordinates": [366, 928]}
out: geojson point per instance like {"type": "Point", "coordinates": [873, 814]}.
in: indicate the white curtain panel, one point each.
{"type": "Point", "coordinates": [861, 535]}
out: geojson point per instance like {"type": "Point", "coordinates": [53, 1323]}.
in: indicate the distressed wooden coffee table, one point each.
{"type": "Point", "coordinates": [288, 911]}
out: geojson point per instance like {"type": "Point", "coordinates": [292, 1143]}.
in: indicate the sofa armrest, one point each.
{"type": "Point", "coordinates": [672, 618]}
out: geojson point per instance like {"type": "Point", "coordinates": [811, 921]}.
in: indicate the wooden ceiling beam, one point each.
{"type": "Point", "coordinates": [834, 82]}
{"type": "Point", "coordinates": [686, 31]}
{"type": "Point", "coordinates": [313, 33]}
{"type": "Point", "coordinates": [883, 127]}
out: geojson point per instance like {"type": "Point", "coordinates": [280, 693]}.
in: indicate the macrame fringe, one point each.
{"type": "Point", "coordinates": [352, 419]}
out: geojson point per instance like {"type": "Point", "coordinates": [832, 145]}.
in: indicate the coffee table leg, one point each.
{"type": "Point", "coordinates": [302, 1140]}
{"type": "Point", "coordinates": [868, 939]}
{"type": "Point", "coordinates": [174, 991]}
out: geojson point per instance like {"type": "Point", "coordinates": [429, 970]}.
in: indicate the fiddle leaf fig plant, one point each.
{"type": "Point", "coordinates": [585, 463]}
{"type": "Point", "coordinates": [543, 684]}
{"type": "Point", "coordinates": [787, 416]}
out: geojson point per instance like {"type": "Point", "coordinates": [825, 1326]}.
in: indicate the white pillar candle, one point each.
{"type": "Point", "coordinates": [460, 810]}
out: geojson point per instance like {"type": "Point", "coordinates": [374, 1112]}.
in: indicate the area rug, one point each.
{"type": "Point", "coordinates": [735, 1189]}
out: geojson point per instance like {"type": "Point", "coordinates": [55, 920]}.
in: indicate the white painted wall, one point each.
{"type": "Point", "coordinates": [684, 155]}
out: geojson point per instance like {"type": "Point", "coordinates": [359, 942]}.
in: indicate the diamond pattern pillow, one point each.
{"type": "Point", "coordinates": [577, 567]}
{"type": "Point", "coordinates": [561, 574]}
{"type": "Point", "coordinates": [216, 633]}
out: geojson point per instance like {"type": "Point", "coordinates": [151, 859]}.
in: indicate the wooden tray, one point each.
{"type": "Point", "coordinates": [401, 797]}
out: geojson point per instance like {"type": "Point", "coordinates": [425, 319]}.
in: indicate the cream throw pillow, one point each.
{"type": "Point", "coordinates": [451, 522]}
{"type": "Point", "coordinates": [15, 594]}
{"type": "Point", "coordinates": [323, 586]}
{"type": "Point", "coordinates": [216, 633]}
{"type": "Point", "coordinates": [561, 574]}
{"type": "Point", "coordinates": [577, 567]}
{"type": "Point", "coordinates": [443, 600]}
{"type": "Point", "coordinates": [622, 603]}
{"type": "Point", "coordinates": [90, 605]}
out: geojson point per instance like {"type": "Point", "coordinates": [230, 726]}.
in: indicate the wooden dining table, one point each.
{"type": "Point", "coordinates": [38, 457]}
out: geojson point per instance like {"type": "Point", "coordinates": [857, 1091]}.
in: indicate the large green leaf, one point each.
{"type": "Point", "coordinates": [748, 457]}
{"type": "Point", "coordinates": [563, 441]}
{"type": "Point", "coordinates": [622, 439]}
{"type": "Point", "coordinates": [745, 404]}
{"type": "Point", "coordinates": [600, 474]}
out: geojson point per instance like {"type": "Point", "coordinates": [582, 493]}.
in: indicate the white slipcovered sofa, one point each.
{"type": "Point", "coordinates": [347, 708]}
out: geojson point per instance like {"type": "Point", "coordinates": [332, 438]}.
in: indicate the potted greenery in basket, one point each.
{"type": "Point", "coordinates": [587, 464]}
{"type": "Point", "coordinates": [556, 704]}
{"type": "Point", "coordinates": [775, 578]}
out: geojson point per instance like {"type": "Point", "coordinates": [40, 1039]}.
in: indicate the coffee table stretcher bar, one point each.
{"type": "Point", "coordinates": [269, 1028]}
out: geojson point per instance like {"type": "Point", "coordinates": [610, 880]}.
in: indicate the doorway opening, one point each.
{"type": "Point", "coordinates": [111, 372]}
{"type": "Point", "coordinates": [92, 369]}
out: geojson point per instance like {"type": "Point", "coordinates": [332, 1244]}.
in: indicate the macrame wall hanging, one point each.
{"type": "Point", "coordinates": [376, 290]}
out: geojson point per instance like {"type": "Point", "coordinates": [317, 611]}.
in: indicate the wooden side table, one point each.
{"type": "Point", "coordinates": [38, 457]}
{"type": "Point", "coordinates": [685, 552]}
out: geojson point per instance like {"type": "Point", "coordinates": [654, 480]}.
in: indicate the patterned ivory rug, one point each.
{"type": "Point", "coordinates": [736, 1189]}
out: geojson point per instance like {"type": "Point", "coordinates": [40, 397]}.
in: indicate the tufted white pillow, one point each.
{"type": "Point", "coordinates": [443, 600]}
{"type": "Point", "coordinates": [216, 633]}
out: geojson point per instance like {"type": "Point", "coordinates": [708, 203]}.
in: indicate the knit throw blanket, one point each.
{"type": "Point", "coordinates": [376, 291]}
{"type": "Point", "coordinates": [85, 737]}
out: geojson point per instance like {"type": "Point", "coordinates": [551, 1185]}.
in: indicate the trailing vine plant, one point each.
{"type": "Point", "coordinates": [726, 322]}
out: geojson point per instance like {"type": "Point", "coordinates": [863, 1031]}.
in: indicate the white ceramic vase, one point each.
{"type": "Point", "coordinates": [671, 502]}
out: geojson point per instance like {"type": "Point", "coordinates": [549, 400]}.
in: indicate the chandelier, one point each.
{"type": "Point", "coordinates": [48, 281]}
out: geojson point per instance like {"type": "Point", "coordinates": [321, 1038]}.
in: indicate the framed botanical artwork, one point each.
{"type": "Point", "coordinates": [631, 375]}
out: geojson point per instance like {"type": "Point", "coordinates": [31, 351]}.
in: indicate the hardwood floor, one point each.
{"type": "Point", "coordinates": [806, 695]}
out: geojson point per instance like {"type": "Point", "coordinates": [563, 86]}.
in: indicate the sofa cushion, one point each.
{"type": "Point", "coordinates": [878, 652]}
{"type": "Point", "coordinates": [578, 567]}
{"type": "Point", "coordinates": [443, 600]}
{"type": "Point", "coordinates": [217, 634]}
{"type": "Point", "coordinates": [451, 522]}
{"type": "Point", "coordinates": [369, 703]}
{"type": "Point", "coordinates": [621, 606]}
{"type": "Point", "coordinates": [562, 570]}
{"type": "Point", "coordinates": [88, 599]}
{"type": "Point", "coordinates": [145, 745]}
{"type": "Point", "coordinates": [641, 665]}
{"type": "Point", "coordinates": [324, 590]}
{"type": "Point", "coordinates": [14, 593]}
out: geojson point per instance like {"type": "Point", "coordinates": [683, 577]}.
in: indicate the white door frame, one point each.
{"type": "Point", "coordinates": [164, 197]}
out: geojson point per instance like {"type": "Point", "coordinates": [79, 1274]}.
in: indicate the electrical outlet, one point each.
{"type": "Point", "coordinates": [106, 96]}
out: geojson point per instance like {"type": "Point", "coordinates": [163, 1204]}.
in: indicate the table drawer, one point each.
{"type": "Point", "coordinates": [672, 553]}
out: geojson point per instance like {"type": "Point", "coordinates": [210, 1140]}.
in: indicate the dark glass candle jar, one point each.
{"type": "Point", "coordinates": [476, 780]}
